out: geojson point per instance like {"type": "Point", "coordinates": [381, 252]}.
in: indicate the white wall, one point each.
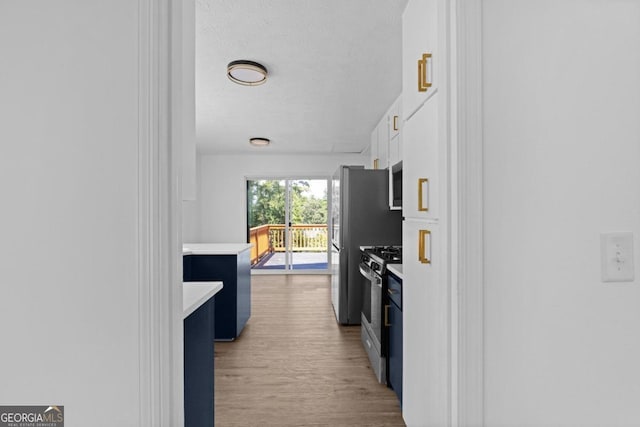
{"type": "Point", "coordinates": [222, 186]}
{"type": "Point", "coordinates": [190, 221]}
{"type": "Point", "coordinates": [185, 90]}
{"type": "Point", "coordinates": [562, 165]}
{"type": "Point", "coordinates": [68, 179]}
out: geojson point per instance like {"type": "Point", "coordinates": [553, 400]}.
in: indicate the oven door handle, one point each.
{"type": "Point", "coordinates": [366, 272]}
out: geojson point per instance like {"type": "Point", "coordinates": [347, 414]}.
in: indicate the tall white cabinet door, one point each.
{"type": "Point", "coordinates": [419, 53]}
{"type": "Point", "coordinates": [374, 149]}
{"type": "Point", "coordinates": [425, 392]}
{"type": "Point", "coordinates": [383, 143]}
{"type": "Point", "coordinates": [420, 172]}
{"type": "Point", "coordinates": [380, 145]}
{"type": "Point", "coordinates": [395, 118]}
{"type": "Point", "coordinates": [395, 150]}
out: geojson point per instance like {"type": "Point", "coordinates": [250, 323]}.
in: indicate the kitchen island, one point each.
{"type": "Point", "coordinates": [198, 307]}
{"type": "Point", "coordinates": [231, 264]}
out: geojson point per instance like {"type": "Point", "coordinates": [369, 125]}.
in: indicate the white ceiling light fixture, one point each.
{"type": "Point", "coordinates": [247, 73]}
{"type": "Point", "coordinates": [259, 142]}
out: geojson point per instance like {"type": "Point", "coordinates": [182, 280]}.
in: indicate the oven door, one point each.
{"type": "Point", "coordinates": [372, 303]}
{"type": "Point", "coordinates": [371, 330]}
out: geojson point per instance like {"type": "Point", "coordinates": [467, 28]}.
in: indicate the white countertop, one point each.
{"type": "Point", "coordinates": [215, 248]}
{"type": "Point", "coordinates": [395, 269]}
{"type": "Point", "coordinates": [194, 294]}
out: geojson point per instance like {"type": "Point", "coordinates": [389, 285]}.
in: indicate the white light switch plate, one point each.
{"type": "Point", "coordinates": [616, 250]}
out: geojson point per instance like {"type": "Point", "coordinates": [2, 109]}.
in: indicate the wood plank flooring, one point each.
{"type": "Point", "coordinates": [293, 365]}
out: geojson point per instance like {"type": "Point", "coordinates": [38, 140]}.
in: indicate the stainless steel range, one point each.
{"type": "Point", "coordinates": [374, 316]}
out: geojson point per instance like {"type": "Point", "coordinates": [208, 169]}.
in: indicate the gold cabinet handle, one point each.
{"type": "Point", "coordinates": [422, 183]}
{"type": "Point", "coordinates": [386, 315]}
{"type": "Point", "coordinates": [424, 82]}
{"type": "Point", "coordinates": [395, 122]}
{"type": "Point", "coordinates": [424, 246]}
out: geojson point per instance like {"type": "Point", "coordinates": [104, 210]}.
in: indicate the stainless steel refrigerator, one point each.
{"type": "Point", "coordinates": [360, 216]}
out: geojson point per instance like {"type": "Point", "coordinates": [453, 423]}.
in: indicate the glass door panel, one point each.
{"type": "Point", "coordinates": [266, 221]}
{"type": "Point", "coordinates": [308, 224]}
{"type": "Point", "coordinates": [287, 224]}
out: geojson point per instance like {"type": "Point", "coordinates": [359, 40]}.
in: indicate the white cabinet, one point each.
{"type": "Point", "coordinates": [386, 145]}
{"type": "Point", "coordinates": [373, 149]}
{"type": "Point", "coordinates": [395, 150]}
{"type": "Point", "coordinates": [425, 291]}
{"type": "Point", "coordinates": [420, 58]}
{"type": "Point", "coordinates": [425, 317]}
{"type": "Point", "coordinates": [394, 117]}
{"type": "Point", "coordinates": [380, 145]}
{"type": "Point", "coordinates": [383, 143]}
{"type": "Point", "coordinates": [426, 295]}
{"type": "Point", "coordinates": [421, 172]}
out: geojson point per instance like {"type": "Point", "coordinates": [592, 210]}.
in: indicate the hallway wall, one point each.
{"type": "Point", "coordinates": [562, 155]}
{"type": "Point", "coordinates": [69, 223]}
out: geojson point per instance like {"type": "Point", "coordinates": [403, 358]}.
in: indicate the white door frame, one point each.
{"type": "Point", "coordinates": [467, 175]}
{"type": "Point", "coordinates": [159, 214]}
{"type": "Point", "coordinates": [160, 119]}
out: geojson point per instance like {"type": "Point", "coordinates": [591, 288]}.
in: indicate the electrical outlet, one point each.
{"type": "Point", "coordinates": [616, 250]}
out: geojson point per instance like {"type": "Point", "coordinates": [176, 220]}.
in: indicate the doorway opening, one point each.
{"type": "Point", "coordinates": [287, 224]}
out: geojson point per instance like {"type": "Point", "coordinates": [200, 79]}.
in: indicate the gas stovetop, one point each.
{"type": "Point", "coordinates": [377, 257]}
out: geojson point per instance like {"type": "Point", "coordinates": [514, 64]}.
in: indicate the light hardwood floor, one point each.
{"type": "Point", "coordinates": [293, 365]}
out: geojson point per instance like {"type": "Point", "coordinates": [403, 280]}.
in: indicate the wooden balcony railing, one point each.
{"type": "Point", "coordinates": [270, 238]}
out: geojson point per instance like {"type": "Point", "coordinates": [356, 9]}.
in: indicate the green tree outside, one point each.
{"type": "Point", "coordinates": [266, 202]}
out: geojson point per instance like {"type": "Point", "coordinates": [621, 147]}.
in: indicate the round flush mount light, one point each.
{"type": "Point", "coordinates": [259, 142]}
{"type": "Point", "coordinates": [247, 73]}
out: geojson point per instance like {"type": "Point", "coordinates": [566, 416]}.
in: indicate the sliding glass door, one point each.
{"type": "Point", "coordinates": [287, 224]}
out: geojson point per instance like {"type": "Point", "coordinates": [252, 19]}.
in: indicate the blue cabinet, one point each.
{"type": "Point", "coordinates": [395, 335]}
{"type": "Point", "coordinates": [233, 302]}
{"type": "Point", "coordinates": [198, 366]}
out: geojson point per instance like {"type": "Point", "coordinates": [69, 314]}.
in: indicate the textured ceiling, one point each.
{"type": "Point", "coordinates": [334, 69]}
